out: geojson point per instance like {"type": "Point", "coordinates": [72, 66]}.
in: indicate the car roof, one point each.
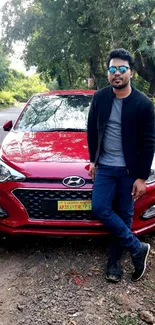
{"type": "Point", "coordinates": [68, 92]}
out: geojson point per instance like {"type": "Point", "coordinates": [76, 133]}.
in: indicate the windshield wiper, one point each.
{"type": "Point", "coordinates": [64, 130]}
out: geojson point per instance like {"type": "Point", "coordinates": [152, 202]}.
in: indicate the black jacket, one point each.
{"type": "Point", "coordinates": [138, 129]}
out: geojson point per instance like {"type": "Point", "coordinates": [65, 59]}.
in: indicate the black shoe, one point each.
{"type": "Point", "coordinates": [114, 271]}
{"type": "Point", "coordinates": [139, 261]}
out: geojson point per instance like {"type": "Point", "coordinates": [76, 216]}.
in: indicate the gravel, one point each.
{"type": "Point", "coordinates": [61, 281]}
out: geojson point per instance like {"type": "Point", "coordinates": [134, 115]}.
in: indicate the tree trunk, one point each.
{"type": "Point", "coordinates": [95, 73]}
{"type": "Point", "coordinates": [59, 81]}
{"type": "Point", "coordinates": [92, 72]}
{"type": "Point", "coordinates": [69, 75]}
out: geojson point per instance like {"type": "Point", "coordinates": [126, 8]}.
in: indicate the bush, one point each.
{"type": "Point", "coordinates": [23, 87]}
{"type": "Point", "coordinates": [140, 84]}
{"type": "Point", "coordinates": [6, 98]}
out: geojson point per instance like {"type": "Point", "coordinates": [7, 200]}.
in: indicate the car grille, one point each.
{"type": "Point", "coordinates": [42, 204]}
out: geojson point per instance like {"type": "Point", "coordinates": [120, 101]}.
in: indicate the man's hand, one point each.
{"type": "Point", "coordinates": [139, 188]}
{"type": "Point", "coordinates": [92, 171]}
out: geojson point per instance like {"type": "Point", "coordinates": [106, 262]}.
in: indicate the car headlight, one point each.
{"type": "Point", "coordinates": [149, 213]}
{"type": "Point", "coordinates": [151, 178]}
{"type": "Point", "coordinates": [7, 173]}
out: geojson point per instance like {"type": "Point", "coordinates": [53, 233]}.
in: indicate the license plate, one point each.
{"type": "Point", "coordinates": [74, 205]}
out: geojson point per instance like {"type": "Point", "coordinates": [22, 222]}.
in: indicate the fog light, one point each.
{"type": "Point", "coordinates": [3, 213]}
{"type": "Point", "coordinates": [149, 213]}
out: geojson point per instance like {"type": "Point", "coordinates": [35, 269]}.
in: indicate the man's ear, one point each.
{"type": "Point", "coordinates": [132, 73]}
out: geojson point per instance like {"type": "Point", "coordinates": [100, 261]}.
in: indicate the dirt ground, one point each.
{"type": "Point", "coordinates": [61, 281]}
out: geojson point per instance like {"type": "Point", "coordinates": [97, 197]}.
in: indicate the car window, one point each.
{"type": "Point", "coordinates": [48, 112]}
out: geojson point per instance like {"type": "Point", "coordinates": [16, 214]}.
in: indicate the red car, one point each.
{"type": "Point", "coordinates": [44, 183]}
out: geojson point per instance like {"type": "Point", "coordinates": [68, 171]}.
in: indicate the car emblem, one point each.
{"type": "Point", "coordinates": [73, 181]}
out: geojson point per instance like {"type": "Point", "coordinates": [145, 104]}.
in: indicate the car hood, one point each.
{"type": "Point", "coordinates": [21, 147]}
{"type": "Point", "coordinates": [47, 154]}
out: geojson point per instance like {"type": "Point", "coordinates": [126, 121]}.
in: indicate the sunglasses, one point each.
{"type": "Point", "coordinates": [122, 69]}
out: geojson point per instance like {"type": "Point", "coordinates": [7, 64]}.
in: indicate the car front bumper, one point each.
{"type": "Point", "coordinates": [24, 211]}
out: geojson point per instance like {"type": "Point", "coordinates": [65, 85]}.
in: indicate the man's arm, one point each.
{"type": "Point", "coordinates": [147, 142]}
{"type": "Point", "coordinates": [92, 136]}
{"type": "Point", "coordinates": [139, 188]}
{"type": "Point", "coordinates": [92, 132]}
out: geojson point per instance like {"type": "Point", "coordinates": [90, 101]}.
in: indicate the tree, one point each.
{"type": "Point", "coordinates": [4, 71]}
{"type": "Point", "coordinates": [137, 21]}
{"type": "Point", "coordinates": [69, 40]}
{"type": "Point", "coordinates": [23, 87]}
{"type": "Point", "coordinates": [61, 38]}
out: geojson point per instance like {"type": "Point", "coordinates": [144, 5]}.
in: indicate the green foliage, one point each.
{"type": "Point", "coordinates": [20, 88]}
{"type": "Point", "coordinates": [15, 85]}
{"type": "Point", "coordinates": [62, 39]}
{"type": "Point", "coordinates": [6, 98]}
{"type": "Point", "coordinates": [141, 84]}
{"type": "Point", "coordinates": [128, 321]}
{"type": "Point", "coordinates": [135, 30]}
{"type": "Point", "coordinates": [4, 62]}
{"type": "Point", "coordinates": [23, 87]}
{"type": "Point", "coordinates": [69, 40]}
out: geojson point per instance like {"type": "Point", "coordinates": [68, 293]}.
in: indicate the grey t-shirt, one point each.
{"type": "Point", "coordinates": [112, 151]}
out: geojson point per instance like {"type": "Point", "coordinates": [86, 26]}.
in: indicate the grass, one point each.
{"type": "Point", "coordinates": [129, 321]}
{"type": "Point", "coordinates": [149, 285]}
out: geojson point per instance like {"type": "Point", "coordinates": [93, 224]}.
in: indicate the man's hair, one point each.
{"type": "Point", "coordinates": [121, 54]}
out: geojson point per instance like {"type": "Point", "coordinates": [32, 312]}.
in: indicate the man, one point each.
{"type": "Point", "coordinates": [121, 141]}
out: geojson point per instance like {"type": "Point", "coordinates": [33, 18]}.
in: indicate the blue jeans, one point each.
{"type": "Point", "coordinates": [113, 205]}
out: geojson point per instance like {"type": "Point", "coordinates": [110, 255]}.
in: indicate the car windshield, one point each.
{"type": "Point", "coordinates": [55, 112]}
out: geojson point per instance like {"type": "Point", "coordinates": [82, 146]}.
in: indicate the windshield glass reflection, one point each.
{"type": "Point", "coordinates": [55, 112]}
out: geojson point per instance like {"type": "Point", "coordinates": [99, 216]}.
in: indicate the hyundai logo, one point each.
{"type": "Point", "coordinates": [73, 181]}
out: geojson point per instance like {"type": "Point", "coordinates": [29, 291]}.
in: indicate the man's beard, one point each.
{"type": "Point", "coordinates": [119, 86]}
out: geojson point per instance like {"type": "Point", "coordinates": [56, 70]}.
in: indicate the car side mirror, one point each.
{"type": "Point", "coordinates": [7, 126]}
